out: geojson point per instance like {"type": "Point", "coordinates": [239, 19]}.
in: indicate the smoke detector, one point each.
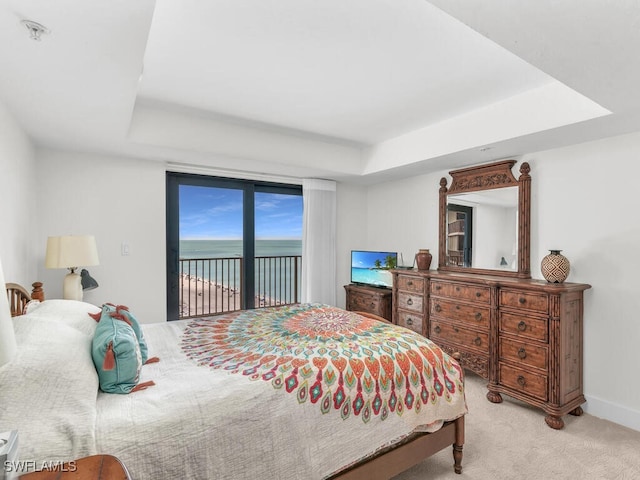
{"type": "Point", "coordinates": [35, 29]}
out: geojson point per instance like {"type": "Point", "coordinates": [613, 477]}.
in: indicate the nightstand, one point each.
{"type": "Point", "coordinates": [369, 299]}
{"type": "Point", "coordinates": [95, 467]}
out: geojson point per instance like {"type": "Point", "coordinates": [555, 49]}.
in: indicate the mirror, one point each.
{"type": "Point", "coordinates": [484, 220]}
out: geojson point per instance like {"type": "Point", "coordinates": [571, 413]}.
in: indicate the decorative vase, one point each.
{"type": "Point", "coordinates": [555, 267]}
{"type": "Point", "coordinates": [423, 259]}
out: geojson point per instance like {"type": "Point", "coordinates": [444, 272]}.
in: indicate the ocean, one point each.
{"type": "Point", "coordinates": [233, 248]}
{"type": "Point", "coordinates": [274, 278]}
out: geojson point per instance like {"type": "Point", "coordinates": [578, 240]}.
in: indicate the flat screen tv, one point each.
{"type": "Point", "coordinates": [373, 268]}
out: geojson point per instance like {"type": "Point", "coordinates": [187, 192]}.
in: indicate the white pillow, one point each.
{"type": "Point", "coordinates": [70, 312]}
{"type": "Point", "coordinates": [49, 391]}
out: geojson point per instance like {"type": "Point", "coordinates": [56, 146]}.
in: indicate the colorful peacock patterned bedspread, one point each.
{"type": "Point", "coordinates": [338, 360]}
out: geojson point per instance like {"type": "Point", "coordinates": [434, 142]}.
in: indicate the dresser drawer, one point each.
{"type": "Point", "coordinates": [523, 381]}
{"type": "Point", "coordinates": [409, 301]}
{"type": "Point", "coordinates": [522, 353]}
{"type": "Point", "coordinates": [477, 363]}
{"type": "Point", "coordinates": [410, 283]}
{"type": "Point", "coordinates": [464, 337]}
{"type": "Point", "coordinates": [473, 314]}
{"type": "Point", "coordinates": [367, 303]}
{"type": "Point", "coordinates": [411, 321]}
{"type": "Point", "coordinates": [471, 293]}
{"type": "Point", "coordinates": [536, 302]}
{"type": "Point", "coordinates": [532, 327]}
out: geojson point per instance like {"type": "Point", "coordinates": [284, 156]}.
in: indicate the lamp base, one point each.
{"type": "Point", "coordinates": [72, 287]}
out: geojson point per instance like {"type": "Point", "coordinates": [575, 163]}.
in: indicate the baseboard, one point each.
{"type": "Point", "coordinates": [613, 412]}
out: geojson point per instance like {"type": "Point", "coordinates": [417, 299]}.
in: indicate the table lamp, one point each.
{"type": "Point", "coordinates": [71, 252]}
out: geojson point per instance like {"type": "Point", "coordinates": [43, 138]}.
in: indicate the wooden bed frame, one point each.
{"type": "Point", "coordinates": [18, 296]}
{"type": "Point", "coordinates": [411, 451]}
{"type": "Point", "coordinates": [382, 465]}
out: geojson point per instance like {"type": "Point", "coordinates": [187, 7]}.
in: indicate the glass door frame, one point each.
{"type": "Point", "coordinates": [249, 188]}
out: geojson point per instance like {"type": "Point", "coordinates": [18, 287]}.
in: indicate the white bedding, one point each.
{"type": "Point", "coordinates": [195, 422]}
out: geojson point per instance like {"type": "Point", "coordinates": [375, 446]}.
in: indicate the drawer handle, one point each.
{"type": "Point", "coordinates": [438, 287]}
{"type": "Point", "coordinates": [455, 329]}
{"type": "Point", "coordinates": [522, 326]}
{"type": "Point", "coordinates": [521, 381]}
{"type": "Point", "coordinates": [478, 294]}
{"type": "Point", "coordinates": [437, 329]}
{"type": "Point", "coordinates": [409, 283]}
{"type": "Point", "coordinates": [437, 308]}
{"type": "Point", "coordinates": [478, 316]}
{"type": "Point", "coordinates": [522, 300]}
{"type": "Point", "coordinates": [478, 341]}
{"type": "Point", "coordinates": [409, 321]}
{"type": "Point", "coordinates": [522, 354]}
{"type": "Point", "coordinates": [409, 301]}
{"type": "Point", "coordinates": [457, 289]}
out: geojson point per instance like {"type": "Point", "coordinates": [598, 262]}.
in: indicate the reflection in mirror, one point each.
{"type": "Point", "coordinates": [482, 229]}
{"type": "Point", "coordinates": [459, 235]}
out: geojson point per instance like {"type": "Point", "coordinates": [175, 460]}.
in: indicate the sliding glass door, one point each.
{"type": "Point", "coordinates": [231, 244]}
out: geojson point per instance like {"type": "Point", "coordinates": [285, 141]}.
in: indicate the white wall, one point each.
{"type": "Point", "coordinates": [351, 232]}
{"type": "Point", "coordinates": [584, 202]}
{"type": "Point", "coordinates": [117, 200]}
{"type": "Point", "coordinates": [18, 211]}
{"type": "Point", "coordinates": [403, 216]}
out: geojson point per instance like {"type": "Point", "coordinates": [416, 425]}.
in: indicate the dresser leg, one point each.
{"type": "Point", "coordinates": [577, 412]}
{"type": "Point", "coordinates": [494, 397]}
{"type": "Point", "coordinates": [554, 422]}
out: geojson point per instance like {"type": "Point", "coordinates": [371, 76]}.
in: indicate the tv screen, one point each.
{"type": "Point", "coordinates": [372, 268]}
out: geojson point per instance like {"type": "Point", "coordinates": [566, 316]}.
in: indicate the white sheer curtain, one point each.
{"type": "Point", "coordinates": [319, 241]}
{"type": "Point", "coordinates": [8, 346]}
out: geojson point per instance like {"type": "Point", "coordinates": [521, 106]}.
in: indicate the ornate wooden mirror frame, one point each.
{"type": "Point", "coordinates": [487, 177]}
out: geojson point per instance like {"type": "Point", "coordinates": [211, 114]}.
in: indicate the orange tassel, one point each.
{"type": "Point", "coordinates": [109, 362]}
{"type": "Point", "coordinates": [96, 316]}
{"type": "Point", "coordinates": [152, 360]}
{"type": "Point", "coordinates": [122, 307]}
{"type": "Point", "coordinates": [142, 386]}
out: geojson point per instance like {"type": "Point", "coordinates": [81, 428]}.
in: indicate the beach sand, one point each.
{"type": "Point", "coordinates": [202, 297]}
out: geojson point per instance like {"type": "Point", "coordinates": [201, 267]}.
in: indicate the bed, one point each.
{"type": "Point", "coordinates": [302, 391]}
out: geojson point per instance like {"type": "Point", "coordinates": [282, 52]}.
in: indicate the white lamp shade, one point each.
{"type": "Point", "coordinates": [8, 346]}
{"type": "Point", "coordinates": [71, 251]}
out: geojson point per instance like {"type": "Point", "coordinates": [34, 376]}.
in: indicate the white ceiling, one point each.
{"type": "Point", "coordinates": [332, 89]}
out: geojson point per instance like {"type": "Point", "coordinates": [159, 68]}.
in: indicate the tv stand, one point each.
{"type": "Point", "coordinates": [362, 298]}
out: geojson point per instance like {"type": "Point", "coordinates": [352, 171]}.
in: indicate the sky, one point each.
{"type": "Point", "coordinates": [216, 214]}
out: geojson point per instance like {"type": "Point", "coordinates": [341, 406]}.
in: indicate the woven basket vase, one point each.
{"type": "Point", "coordinates": [555, 267]}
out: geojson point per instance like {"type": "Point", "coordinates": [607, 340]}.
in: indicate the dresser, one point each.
{"type": "Point", "coordinates": [524, 336]}
{"type": "Point", "coordinates": [361, 298]}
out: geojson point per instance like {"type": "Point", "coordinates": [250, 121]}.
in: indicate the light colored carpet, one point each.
{"type": "Point", "coordinates": [511, 441]}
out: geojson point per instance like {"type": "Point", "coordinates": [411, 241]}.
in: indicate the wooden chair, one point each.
{"type": "Point", "coordinates": [18, 296]}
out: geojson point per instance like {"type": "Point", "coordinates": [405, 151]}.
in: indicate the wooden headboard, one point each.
{"type": "Point", "coordinates": [18, 296]}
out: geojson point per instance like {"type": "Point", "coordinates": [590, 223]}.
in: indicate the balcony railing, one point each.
{"type": "Point", "coordinates": [209, 286]}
